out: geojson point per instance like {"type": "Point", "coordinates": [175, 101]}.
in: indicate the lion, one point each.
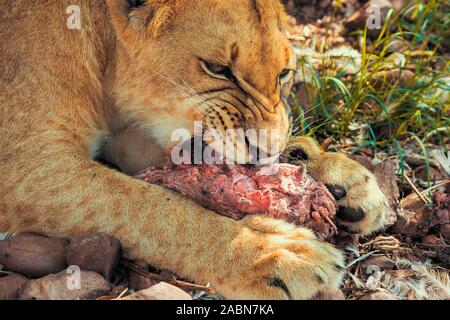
{"type": "Point", "coordinates": [114, 89]}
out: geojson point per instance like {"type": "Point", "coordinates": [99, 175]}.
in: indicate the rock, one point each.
{"type": "Point", "coordinates": [65, 286]}
{"type": "Point", "coordinates": [444, 256]}
{"type": "Point", "coordinates": [304, 94]}
{"type": "Point", "coordinates": [414, 217]}
{"type": "Point", "coordinates": [10, 285]}
{"type": "Point", "coordinates": [380, 295]}
{"type": "Point", "coordinates": [33, 255]}
{"type": "Point", "coordinates": [160, 291]}
{"type": "Point", "coordinates": [397, 45]}
{"type": "Point", "coordinates": [441, 208]}
{"type": "Point", "coordinates": [381, 262]}
{"type": "Point", "coordinates": [431, 239]}
{"type": "Point", "coordinates": [368, 15]}
{"type": "Point", "coordinates": [399, 5]}
{"type": "Point", "coordinates": [98, 252]}
{"type": "Point", "coordinates": [336, 295]}
{"type": "Point", "coordinates": [414, 160]}
{"type": "Point", "coordinates": [444, 231]}
{"type": "Point", "coordinates": [139, 282]}
{"type": "Point", "coordinates": [404, 77]}
{"type": "Point", "coordinates": [436, 174]}
{"type": "Point", "coordinates": [395, 60]}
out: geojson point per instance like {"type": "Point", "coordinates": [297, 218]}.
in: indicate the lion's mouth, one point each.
{"type": "Point", "coordinates": [197, 151]}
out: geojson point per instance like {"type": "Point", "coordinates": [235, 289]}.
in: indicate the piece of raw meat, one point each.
{"type": "Point", "coordinates": [282, 191]}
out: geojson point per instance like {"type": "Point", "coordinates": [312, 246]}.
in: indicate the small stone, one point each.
{"type": "Point", "coordinates": [139, 282]}
{"type": "Point", "coordinates": [98, 252]}
{"type": "Point", "coordinates": [436, 174]}
{"type": "Point", "coordinates": [399, 5]}
{"type": "Point", "coordinates": [397, 46]}
{"type": "Point", "coordinates": [65, 286]}
{"type": "Point", "coordinates": [441, 208]}
{"type": "Point", "coordinates": [381, 263]}
{"type": "Point", "coordinates": [364, 16]}
{"type": "Point", "coordinates": [379, 296]}
{"type": "Point", "coordinates": [10, 285]}
{"type": "Point", "coordinates": [444, 231]}
{"type": "Point", "coordinates": [325, 4]}
{"type": "Point", "coordinates": [431, 239]}
{"type": "Point", "coordinates": [414, 217]}
{"type": "Point", "coordinates": [160, 291]}
{"type": "Point", "coordinates": [33, 255]}
{"type": "Point", "coordinates": [404, 77]}
{"type": "Point", "coordinates": [444, 256]}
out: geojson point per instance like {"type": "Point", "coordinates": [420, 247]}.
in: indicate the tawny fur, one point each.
{"type": "Point", "coordinates": [121, 85]}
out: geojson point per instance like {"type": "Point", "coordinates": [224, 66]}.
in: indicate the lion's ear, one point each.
{"type": "Point", "coordinates": [136, 18]}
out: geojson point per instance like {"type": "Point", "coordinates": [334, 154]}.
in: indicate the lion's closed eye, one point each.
{"type": "Point", "coordinates": [216, 70]}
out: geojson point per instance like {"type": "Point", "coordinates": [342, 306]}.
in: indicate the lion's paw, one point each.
{"type": "Point", "coordinates": [271, 259]}
{"type": "Point", "coordinates": [363, 207]}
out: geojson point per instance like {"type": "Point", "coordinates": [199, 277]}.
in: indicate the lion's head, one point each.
{"type": "Point", "coordinates": [227, 64]}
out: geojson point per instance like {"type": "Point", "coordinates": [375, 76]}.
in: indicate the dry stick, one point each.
{"type": "Point", "coordinates": [105, 298]}
{"type": "Point", "coordinates": [437, 186]}
{"type": "Point", "coordinates": [177, 283]}
{"type": "Point", "coordinates": [424, 198]}
{"type": "Point", "coordinates": [124, 292]}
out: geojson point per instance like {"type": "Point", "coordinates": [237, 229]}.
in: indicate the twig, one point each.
{"type": "Point", "coordinates": [361, 258]}
{"type": "Point", "coordinates": [124, 292]}
{"type": "Point", "coordinates": [177, 283]}
{"type": "Point", "coordinates": [422, 197]}
{"type": "Point", "coordinates": [437, 186]}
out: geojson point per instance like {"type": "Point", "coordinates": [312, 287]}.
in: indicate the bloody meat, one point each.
{"type": "Point", "coordinates": [282, 191]}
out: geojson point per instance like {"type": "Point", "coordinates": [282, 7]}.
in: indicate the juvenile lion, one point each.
{"type": "Point", "coordinates": [116, 89]}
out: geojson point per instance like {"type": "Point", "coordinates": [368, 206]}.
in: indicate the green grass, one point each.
{"type": "Point", "coordinates": [384, 110]}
